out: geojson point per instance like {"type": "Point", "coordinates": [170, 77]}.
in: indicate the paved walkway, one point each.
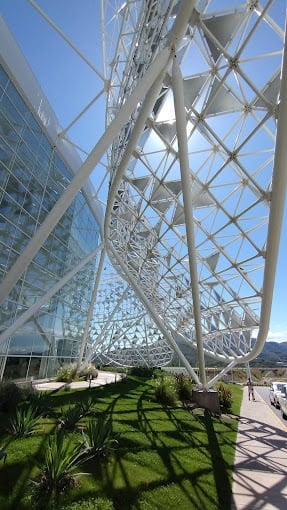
{"type": "Point", "coordinates": [103, 378]}
{"type": "Point", "coordinates": [260, 473]}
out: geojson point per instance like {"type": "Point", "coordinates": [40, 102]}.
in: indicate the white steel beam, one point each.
{"type": "Point", "coordinates": [138, 128]}
{"type": "Point", "coordinates": [91, 309]}
{"type": "Point", "coordinates": [107, 324]}
{"type": "Point", "coordinates": [180, 116]}
{"type": "Point", "coordinates": [157, 318]}
{"type": "Point", "coordinates": [66, 39]}
{"type": "Point", "coordinates": [83, 173]}
{"type": "Point", "coordinates": [221, 374]}
{"type": "Point", "coordinates": [84, 110]}
{"type": "Point", "coordinates": [279, 187]}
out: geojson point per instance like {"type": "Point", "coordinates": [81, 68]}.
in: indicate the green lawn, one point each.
{"type": "Point", "coordinates": [166, 458]}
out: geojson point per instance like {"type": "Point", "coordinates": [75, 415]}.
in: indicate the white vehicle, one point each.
{"type": "Point", "coordinates": [283, 401]}
{"type": "Point", "coordinates": [274, 392]}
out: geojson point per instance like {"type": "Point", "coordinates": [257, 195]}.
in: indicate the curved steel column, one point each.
{"type": "Point", "coordinates": [279, 187]}
{"type": "Point", "coordinates": [180, 117]}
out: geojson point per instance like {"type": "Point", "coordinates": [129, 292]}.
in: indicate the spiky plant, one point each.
{"type": "Point", "coordinates": [98, 440]}
{"type": "Point", "coordinates": [59, 467]}
{"type": "Point", "coordinates": [87, 406]}
{"type": "Point", "coordinates": [23, 421]}
{"type": "Point", "coordinates": [70, 417]}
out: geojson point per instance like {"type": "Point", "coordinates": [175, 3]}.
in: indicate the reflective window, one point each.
{"type": "Point", "coordinates": [32, 178]}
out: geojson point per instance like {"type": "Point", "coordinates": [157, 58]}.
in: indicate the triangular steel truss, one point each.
{"type": "Point", "coordinates": [191, 170]}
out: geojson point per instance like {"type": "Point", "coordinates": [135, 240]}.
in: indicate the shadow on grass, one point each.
{"type": "Point", "coordinates": [163, 453]}
{"type": "Point", "coordinates": [221, 476]}
{"type": "Point", "coordinates": [167, 455]}
{"type": "Point", "coordinates": [62, 397]}
{"type": "Point", "coordinates": [15, 477]}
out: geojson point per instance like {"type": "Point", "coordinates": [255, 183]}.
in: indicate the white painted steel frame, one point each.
{"type": "Point", "coordinates": [76, 184]}
{"type": "Point", "coordinates": [63, 203]}
{"type": "Point", "coordinates": [279, 189]}
{"type": "Point", "coordinates": [99, 338]}
{"type": "Point", "coordinates": [238, 353]}
{"type": "Point", "coordinates": [156, 74]}
{"type": "Point", "coordinates": [181, 126]}
{"type": "Point", "coordinates": [91, 309]}
{"type": "Point", "coordinates": [157, 319]}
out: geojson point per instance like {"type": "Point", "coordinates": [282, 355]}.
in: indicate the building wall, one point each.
{"type": "Point", "coordinates": [33, 174]}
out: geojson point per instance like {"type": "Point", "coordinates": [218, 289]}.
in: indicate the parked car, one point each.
{"type": "Point", "coordinates": [274, 392]}
{"type": "Point", "coordinates": [281, 394]}
{"type": "Point", "coordinates": [283, 402]}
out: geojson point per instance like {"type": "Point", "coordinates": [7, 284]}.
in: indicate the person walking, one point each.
{"type": "Point", "coordinates": [250, 389]}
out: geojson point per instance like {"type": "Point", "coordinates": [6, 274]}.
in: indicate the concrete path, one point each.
{"type": "Point", "coordinates": [103, 378]}
{"type": "Point", "coordinates": [260, 471]}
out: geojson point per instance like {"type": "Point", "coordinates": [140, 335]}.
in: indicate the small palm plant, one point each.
{"type": "Point", "coordinates": [70, 417]}
{"type": "Point", "coordinates": [60, 463]}
{"type": "Point", "coordinates": [87, 406]}
{"type": "Point", "coordinates": [23, 421]}
{"type": "Point", "coordinates": [97, 437]}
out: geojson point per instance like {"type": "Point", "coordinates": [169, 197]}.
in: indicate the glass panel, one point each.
{"type": "Point", "coordinates": [8, 109]}
{"type": "Point", "coordinates": [37, 179]}
{"type": "Point", "coordinates": [16, 99]}
{"type": "Point", "coordinates": [16, 368]}
{"type": "Point", "coordinates": [3, 78]}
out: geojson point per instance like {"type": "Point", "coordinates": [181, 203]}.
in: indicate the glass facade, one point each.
{"type": "Point", "coordinates": [32, 178]}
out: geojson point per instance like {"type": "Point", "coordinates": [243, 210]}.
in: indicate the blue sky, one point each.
{"type": "Point", "coordinates": [70, 84]}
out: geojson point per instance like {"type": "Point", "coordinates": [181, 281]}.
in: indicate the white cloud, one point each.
{"type": "Point", "coordinates": [273, 336]}
{"type": "Point", "coordinates": [279, 336]}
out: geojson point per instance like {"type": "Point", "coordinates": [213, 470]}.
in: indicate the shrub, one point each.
{"type": "Point", "coordinates": [10, 396]}
{"type": "Point", "coordinates": [23, 422]}
{"type": "Point", "coordinates": [88, 371]}
{"type": "Point", "coordinates": [110, 368]}
{"type": "Point", "coordinates": [145, 372]}
{"type": "Point", "coordinates": [225, 397]}
{"type": "Point", "coordinates": [67, 373]}
{"type": "Point", "coordinates": [165, 390]}
{"type": "Point", "coordinates": [97, 437]}
{"type": "Point", "coordinates": [28, 391]}
{"type": "Point", "coordinates": [90, 504]}
{"type": "Point", "coordinates": [184, 386]}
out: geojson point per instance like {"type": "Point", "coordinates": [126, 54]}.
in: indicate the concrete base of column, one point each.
{"type": "Point", "coordinates": [207, 399]}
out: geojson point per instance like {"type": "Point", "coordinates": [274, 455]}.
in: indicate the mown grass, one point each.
{"type": "Point", "coordinates": [166, 458]}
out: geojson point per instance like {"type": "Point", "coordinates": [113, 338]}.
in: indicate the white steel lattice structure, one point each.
{"type": "Point", "coordinates": [122, 332]}
{"type": "Point", "coordinates": [187, 219]}
{"type": "Point", "coordinates": [191, 170]}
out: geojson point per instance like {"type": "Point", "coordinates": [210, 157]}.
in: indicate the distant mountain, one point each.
{"type": "Point", "coordinates": [273, 354]}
